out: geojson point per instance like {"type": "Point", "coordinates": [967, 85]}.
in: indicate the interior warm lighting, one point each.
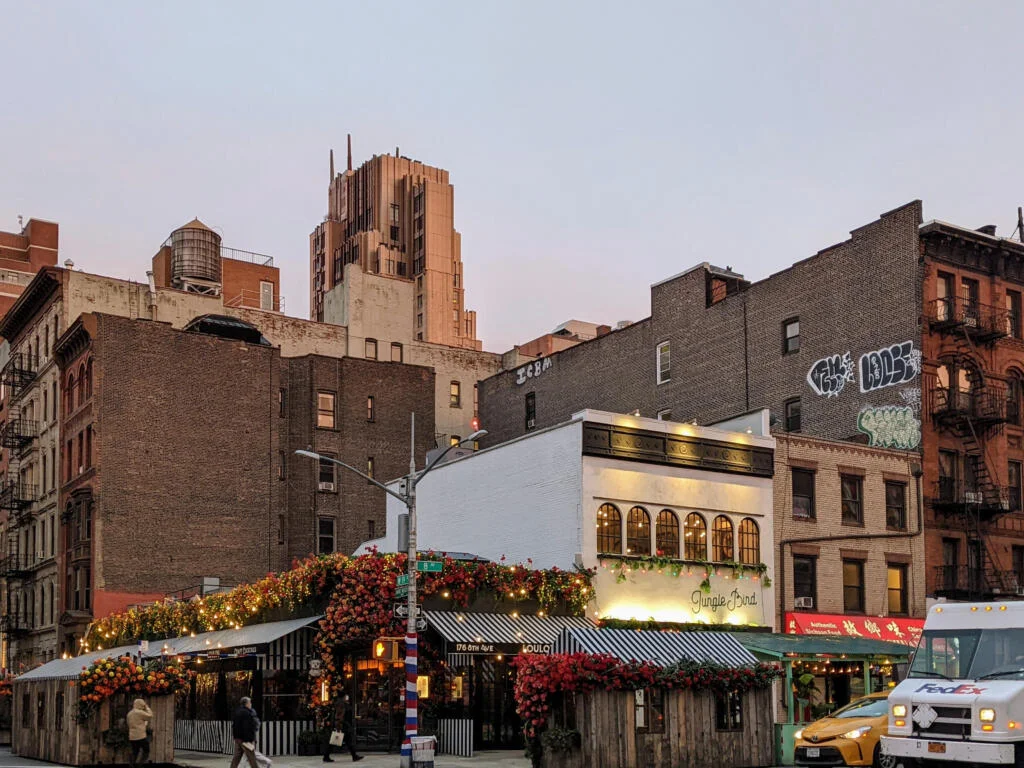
{"type": "Point", "coordinates": [901, 723]}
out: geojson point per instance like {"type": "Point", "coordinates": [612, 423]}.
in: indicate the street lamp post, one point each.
{"type": "Point", "coordinates": [408, 498]}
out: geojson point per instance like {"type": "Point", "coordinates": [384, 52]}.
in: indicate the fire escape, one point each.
{"type": "Point", "coordinates": [16, 495]}
{"type": "Point", "coordinates": [969, 497]}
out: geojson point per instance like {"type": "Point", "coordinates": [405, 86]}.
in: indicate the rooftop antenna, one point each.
{"type": "Point", "coordinates": [350, 151]}
{"type": "Point", "coordinates": [396, 151]}
{"type": "Point", "coordinates": [21, 220]}
{"type": "Point", "coordinates": [1020, 223]}
{"type": "Point", "coordinates": [332, 165]}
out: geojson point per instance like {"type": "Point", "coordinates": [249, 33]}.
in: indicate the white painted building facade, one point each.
{"type": "Point", "coordinates": [545, 497]}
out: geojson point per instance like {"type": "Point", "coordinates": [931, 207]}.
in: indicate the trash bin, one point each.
{"type": "Point", "coordinates": [423, 751]}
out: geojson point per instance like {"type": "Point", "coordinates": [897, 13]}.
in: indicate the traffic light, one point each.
{"type": "Point", "coordinates": [475, 424]}
{"type": "Point", "coordinates": [387, 649]}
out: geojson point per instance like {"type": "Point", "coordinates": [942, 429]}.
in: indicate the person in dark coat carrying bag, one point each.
{"type": "Point", "coordinates": [245, 727]}
{"type": "Point", "coordinates": [348, 730]}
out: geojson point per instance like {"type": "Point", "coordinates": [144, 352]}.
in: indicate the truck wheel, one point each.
{"type": "Point", "coordinates": [881, 760]}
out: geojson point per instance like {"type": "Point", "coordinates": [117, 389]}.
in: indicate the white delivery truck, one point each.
{"type": "Point", "coordinates": [962, 702]}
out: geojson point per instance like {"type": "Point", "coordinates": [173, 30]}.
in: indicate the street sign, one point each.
{"type": "Point", "coordinates": [403, 580]}
{"type": "Point", "coordinates": [401, 610]}
{"type": "Point", "coordinates": [429, 566]}
{"type": "Point", "coordinates": [402, 592]}
{"type": "Point", "coordinates": [421, 624]}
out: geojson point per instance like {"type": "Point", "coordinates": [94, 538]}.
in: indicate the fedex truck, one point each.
{"type": "Point", "coordinates": [962, 702]}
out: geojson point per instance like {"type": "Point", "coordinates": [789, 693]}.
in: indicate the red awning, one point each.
{"type": "Point", "coordinates": [893, 630]}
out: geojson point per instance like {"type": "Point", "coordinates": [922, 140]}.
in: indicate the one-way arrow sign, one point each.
{"type": "Point", "coordinates": [401, 610]}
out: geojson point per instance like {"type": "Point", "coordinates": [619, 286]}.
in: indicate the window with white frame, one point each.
{"type": "Point", "coordinates": [664, 363]}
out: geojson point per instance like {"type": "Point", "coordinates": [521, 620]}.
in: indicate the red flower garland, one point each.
{"type": "Point", "coordinates": [542, 677]}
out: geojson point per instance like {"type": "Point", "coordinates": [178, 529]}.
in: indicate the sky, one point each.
{"type": "Point", "coordinates": [595, 147]}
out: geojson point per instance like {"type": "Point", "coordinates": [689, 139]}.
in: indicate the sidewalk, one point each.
{"type": "Point", "coordinates": [512, 758]}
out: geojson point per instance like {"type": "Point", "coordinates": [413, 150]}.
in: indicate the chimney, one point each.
{"type": "Point", "coordinates": [350, 151]}
{"type": "Point", "coordinates": [988, 229]}
{"type": "Point", "coordinates": [332, 165]}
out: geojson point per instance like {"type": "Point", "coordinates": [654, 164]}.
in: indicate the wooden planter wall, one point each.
{"type": "Point", "coordinates": [44, 733]}
{"type": "Point", "coordinates": [606, 721]}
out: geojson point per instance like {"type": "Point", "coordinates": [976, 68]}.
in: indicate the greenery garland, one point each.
{"type": "Point", "coordinates": [625, 565]}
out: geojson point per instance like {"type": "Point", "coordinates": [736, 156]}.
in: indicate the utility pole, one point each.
{"type": "Point", "coordinates": [411, 633]}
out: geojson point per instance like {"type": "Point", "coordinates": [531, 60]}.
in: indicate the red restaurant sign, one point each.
{"type": "Point", "coordinates": [903, 631]}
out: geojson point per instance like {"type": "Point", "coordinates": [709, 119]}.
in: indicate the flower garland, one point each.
{"type": "Point", "coordinates": [354, 592]}
{"type": "Point", "coordinates": [542, 677]}
{"type": "Point", "coordinates": [624, 566]}
{"type": "Point", "coordinates": [6, 686]}
{"type": "Point", "coordinates": [106, 677]}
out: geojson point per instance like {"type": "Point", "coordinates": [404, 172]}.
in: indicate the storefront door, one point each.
{"type": "Point", "coordinates": [497, 726]}
{"type": "Point", "coordinates": [380, 709]}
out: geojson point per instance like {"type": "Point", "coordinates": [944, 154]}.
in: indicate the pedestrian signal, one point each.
{"type": "Point", "coordinates": [387, 649]}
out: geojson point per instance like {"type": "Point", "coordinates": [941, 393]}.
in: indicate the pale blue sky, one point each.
{"type": "Point", "coordinates": [595, 147]}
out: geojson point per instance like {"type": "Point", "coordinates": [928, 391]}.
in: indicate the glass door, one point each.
{"type": "Point", "coordinates": [496, 724]}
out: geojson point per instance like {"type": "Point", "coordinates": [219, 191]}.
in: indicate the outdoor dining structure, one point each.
{"type": "Point", "coordinates": [664, 699]}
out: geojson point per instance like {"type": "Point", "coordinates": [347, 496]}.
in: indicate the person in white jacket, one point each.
{"type": "Point", "coordinates": [138, 737]}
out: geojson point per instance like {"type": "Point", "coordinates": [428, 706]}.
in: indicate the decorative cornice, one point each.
{"type": "Point", "coordinates": [73, 343]}
{"type": "Point", "coordinates": [651, 447]}
{"type": "Point", "coordinates": [43, 285]}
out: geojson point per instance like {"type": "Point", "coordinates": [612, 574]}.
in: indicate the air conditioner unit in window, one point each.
{"type": "Point", "coordinates": [971, 321]}
{"type": "Point", "coordinates": [972, 497]}
{"type": "Point", "coordinates": [803, 602]}
{"type": "Point", "coordinates": [326, 486]}
{"type": "Point", "coordinates": [531, 423]}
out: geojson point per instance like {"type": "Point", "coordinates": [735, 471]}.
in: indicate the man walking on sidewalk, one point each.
{"type": "Point", "coordinates": [245, 727]}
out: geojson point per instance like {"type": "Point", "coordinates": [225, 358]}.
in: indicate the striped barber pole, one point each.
{"type": "Point", "coordinates": [411, 697]}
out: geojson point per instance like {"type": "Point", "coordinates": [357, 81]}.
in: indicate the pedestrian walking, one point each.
{"type": "Point", "coordinates": [348, 730]}
{"type": "Point", "coordinates": [245, 726]}
{"type": "Point", "coordinates": [138, 720]}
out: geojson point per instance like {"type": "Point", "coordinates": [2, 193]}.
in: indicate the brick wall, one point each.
{"type": "Point", "coordinates": [857, 296]}
{"type": "Point", "coordinates": [829, 460]}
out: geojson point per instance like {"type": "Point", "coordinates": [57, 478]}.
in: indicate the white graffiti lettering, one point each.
{"type": "Point", "coordinates": [889, 367]}
{"type": "Point", "coordinates": [912, 397]}
{"type": "Point", "coordinates": [829, 375]}
{"type": "Point", "coordinates": [890, 426]}
{"type": "Point", "coordinates": [532, 370]}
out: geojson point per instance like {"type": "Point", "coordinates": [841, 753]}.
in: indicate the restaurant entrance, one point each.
{"type": "Point", "coordinates": [497, 726]}
{"type": "Point", "coordinates": [379, 707]}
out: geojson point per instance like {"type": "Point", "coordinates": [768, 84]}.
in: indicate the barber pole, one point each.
{"type": "Point", "coordinates": [411, 696]}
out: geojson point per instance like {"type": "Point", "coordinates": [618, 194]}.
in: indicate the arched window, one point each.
{"type": "Point", "coordinates": [721, 539]}
{"type": "Point", "coordinates": [88, 379]}
{"type": "Point", "coordinates": [750, 542]}
{"type": "Point", "coordinates": [71, 393]}
{"type": "Point", "coordinates": [609, 530]}
{"type": "Point", "coordinates": [46, 341]}
{"type": "Point", "coordinates": [81, 384]}
{"type": "Point", "coordinates": [695, 537]}
{"type": "Point", "coordinates": [667, 534]}
{"type": "Point", "coordinates": [1014, 390]}
{"type": "Point", "coordinates": [638, 532]}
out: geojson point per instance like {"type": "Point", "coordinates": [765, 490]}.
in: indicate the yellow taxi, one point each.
{"type": "Point", "coordinates": [849, 736]}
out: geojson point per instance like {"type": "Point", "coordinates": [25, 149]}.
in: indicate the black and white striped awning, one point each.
{"type": "Point", "coordinates": [486, 633]}
{"type": "Point", "coordinates": [659, 647]}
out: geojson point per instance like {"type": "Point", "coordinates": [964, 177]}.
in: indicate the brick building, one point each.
{"type": "Point", "coordinates": [393, 218]}
{"type": "Point", "coordinates": [22, 254]}
{"type": "Point", "coordinates": [172, 475]}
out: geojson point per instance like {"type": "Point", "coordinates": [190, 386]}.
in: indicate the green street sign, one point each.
{"type": "Point", "coordinates": [429, 566]}
{"type": "Point", "coordinates": [403, 580]}
{"type": "Point", "coordinates": [402, 592]}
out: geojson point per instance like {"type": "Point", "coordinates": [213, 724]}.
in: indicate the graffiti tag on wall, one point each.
{"type": "Point", "coordinates": [829, 375]}
{"type": "Point", "coordinates": [532, 370]}
{"type": "Point", "coordinates": [889, 366]}
{"type": "Point", "coordinates": [890, 426]}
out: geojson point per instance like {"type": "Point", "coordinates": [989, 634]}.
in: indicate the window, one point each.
{"type": "Point", "coordinates": [326, 473]}
{"type": "Point", "coordinates": [455, 395]}
{"type": "Point", "coordinates": [325, 536]}
{"type": "Point", "coordinates": [1013, 397]}
{"type": "Point", "coordinates": [944, 308]}
{"type": "Point", "coordinates": [325, 410]}
{"type": "Point", "coordinates": [282, 402]}
{"type": "Point", "coordinates": [1018, 565]}
{"type": "Point", "coordinates": [667, 534]}
{"type": "Point", "coordinates": [750, 542]}
{"type": "Point", "coordinates": [371, 529]}
{"type": "Point", "coordinates": [369, 466]}
{"type": "Point", "coordinates": [455, 440]}
{"type": "Point", "coordinates": [729, 711]}
{"type": "Point", "coordinates": [45, 487]}
{"type": "Point", "coordinates": [853, 506]}
{"type": "Point", "coordinates": [419, 323]}
{"type": "Point", "coordinates": [396, 352]}
{"type": "Point", "coordinates": [896, 505]}
{"type": "Point", "coordinates": [649, 710]}
{"type": "Point", "coordinates": [81, 385]}
{"type": "Point", "coordinates": [609, 530]}
{"type": "Point", "coordinates": [664, 362]}
{"type": "Point", "coordinates": [803, 494]}
{"type": "Point", "coordinates": [897, 577]}
{"type": "Point", "coordinates": [88, 379]}
{"type": "Point", "coordinates": [695, 537]}
{"type": "Point", "coordinates": [88, 447]}
{"type": "Point", "coordinates": [281, 464]}
{"type": "Point", "coordinates": [638, 532]}
{"type": "Point", "coordinates": [1013, 473]}
{"type": "Point", "coordinates": [791, 335]}
{"type": "Point", "coordinates": [721, 539]}
{"type": "Point", "coordinates": [792, 411]}
{"type": "Point", "coordinates": [46, 341]}
{"type": "Point", "coordinates": [1013, 310]}
{"type": "Point", "coordinates": [53, 398]}
{"type": "Point", "coordinates": [969, 293]}
{"type": "Point", "coordinates": [371, 349]}
{"type": "Point", "coordinates": [531, 410]}
{"type": "Point", "coordinates": [71, 392]}
{"type": "Point", "coordinates": [853, 586]}
{"type": "Point", "coordinates": [805, 581]}
{"type": "Point", "coordinates": [665, 415]}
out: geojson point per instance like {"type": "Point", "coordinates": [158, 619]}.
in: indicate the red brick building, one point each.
{"type": "Point", "coordinates": [178, 465]}
{"type": "Point", "coordinates": [22, 254]}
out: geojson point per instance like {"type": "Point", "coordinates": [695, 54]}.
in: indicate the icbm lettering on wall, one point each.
{"type": "Point", "coordinates": [890, 426]}
{"type": "Point", "coordinates": [889, 367]}
{"type": "Point", "coordinates": [829, 375]}
{"type": "Point", "coordinates": [532, 370]}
